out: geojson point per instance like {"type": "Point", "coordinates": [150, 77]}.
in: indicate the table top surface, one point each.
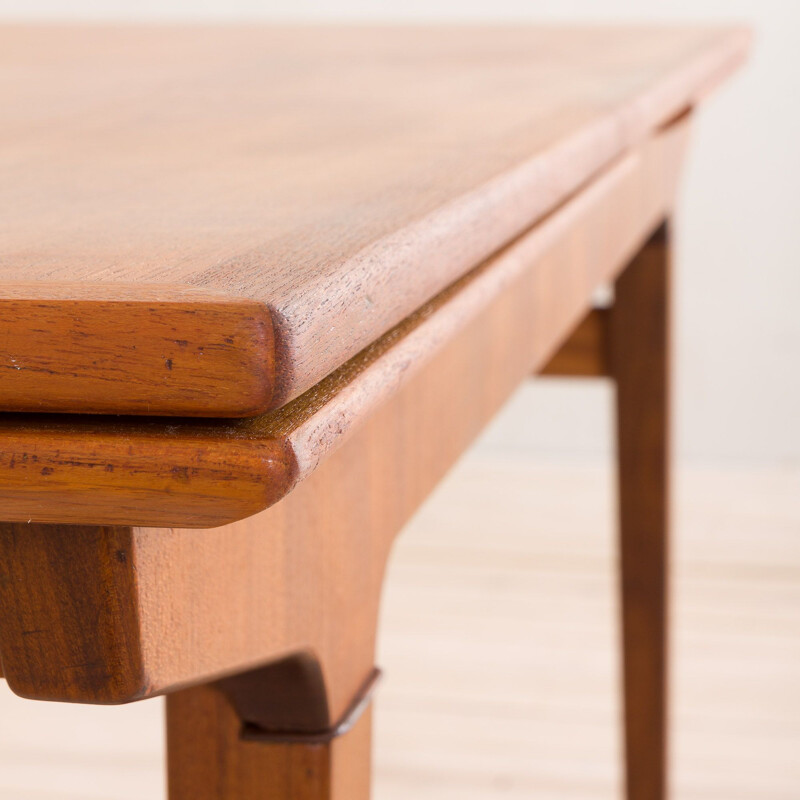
{"type": "Point", "coordinates": [210, 220]}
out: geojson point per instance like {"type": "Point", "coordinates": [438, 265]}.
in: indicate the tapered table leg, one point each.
{"type": "Point", "coordinates": [639, 345]}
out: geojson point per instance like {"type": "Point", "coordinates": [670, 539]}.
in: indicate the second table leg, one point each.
{"type": "Point", "coordinates": [639, 350]}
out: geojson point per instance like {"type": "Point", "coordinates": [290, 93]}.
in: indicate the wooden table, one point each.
{"type": "Point", "coordinates": [259, 289]}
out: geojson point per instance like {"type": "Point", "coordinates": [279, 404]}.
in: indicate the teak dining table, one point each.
{"type": "Point", "coordinates": [260, 287]}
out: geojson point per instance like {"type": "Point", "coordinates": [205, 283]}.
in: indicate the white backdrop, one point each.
{"type": "Point", "coordinates": [738, 342]}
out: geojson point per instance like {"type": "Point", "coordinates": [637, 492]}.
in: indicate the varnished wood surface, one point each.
{"type": "Point", "coordinates": [102, 348]}
{"type": "Point", "coordinates": [501, 652]}
{"type": "Point", "coordinates": [639, 339]}
{"type": "Point", "coordinates": [304, 576]}
{"type": "Point", "coordinates": [585, 353]}
{"type": "Point", "coordinates": [336, 179]}
{"type": "Point", "coordinates": [208, 760]}
{"type": "Point", "coordinates": [35, 628]}
{"type": "Point", "coordinates": [526, 300]}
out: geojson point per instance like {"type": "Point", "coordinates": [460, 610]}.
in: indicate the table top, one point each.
{"type": "Point", "coordinates": [207, 221]}
{"type": "Point", "coordinates": [423, 390]}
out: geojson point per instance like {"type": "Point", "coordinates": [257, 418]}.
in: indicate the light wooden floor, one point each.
{"type": "Point", "coordinates": [498, 647]}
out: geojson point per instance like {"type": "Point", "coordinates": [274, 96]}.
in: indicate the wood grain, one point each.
{"type": "Point", "coordinates": [528, 297]}
{"type": "Point", "coordinates": [585, 353]}
{"type": "Point", "coordinates": [482, 699]}
{"type": "Point", "coordinates": [208, 759]}
{"type": "Point", "coordinates": [37, 628]}
{"type": "Point", "coordinates": [304, 576]}
{"type": "Point", "coordinates": [121, 470]}
{"type": "Point", "coordinates": [332, 179]}
{"type": "Point", "coordinates": [137, 349]}
{"type": "Point", "coordinates": [639, 339]}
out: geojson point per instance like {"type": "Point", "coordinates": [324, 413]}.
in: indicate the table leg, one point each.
{"type": "Point", "coordinates": [639, 343]}
{"type": "Point", "coordinates": [216, 753]}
